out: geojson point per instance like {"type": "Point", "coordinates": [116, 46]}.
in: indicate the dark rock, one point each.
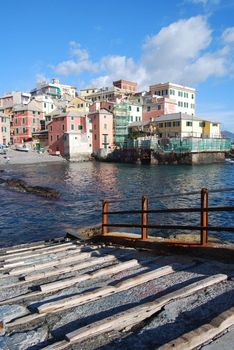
{"type": "Point", "coordinates": [38, 190]}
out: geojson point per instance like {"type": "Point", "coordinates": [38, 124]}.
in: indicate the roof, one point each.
{"type": "Point", "coordinates": [173, 84]}
{"type": "Point", "coordinates": [31, 106]}
{"type": "Point", "coordinates": [183, 116]}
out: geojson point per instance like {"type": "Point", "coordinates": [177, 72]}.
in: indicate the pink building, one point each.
{"type": "Point", "coordinates": [26, 120]}
{"type": "Point", "coordinates": [102, 126]}
{"type": "Point", "coordinates": [61, 124]}
{"type": "Point", "coordinates": [156, 106]}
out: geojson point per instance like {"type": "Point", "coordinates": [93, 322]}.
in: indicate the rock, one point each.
{"type": "Point", "coordinates": [38, 190]}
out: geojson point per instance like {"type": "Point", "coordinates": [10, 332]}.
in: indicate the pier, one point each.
{"type": "Point", "coordinates": [119, 289]}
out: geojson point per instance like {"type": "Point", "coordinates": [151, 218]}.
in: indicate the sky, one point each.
{"type": "Point", "coordinates": [92, 43]}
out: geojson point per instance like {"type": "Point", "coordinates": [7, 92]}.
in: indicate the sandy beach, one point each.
{"type": "Point", "coordinates": [13, 156]}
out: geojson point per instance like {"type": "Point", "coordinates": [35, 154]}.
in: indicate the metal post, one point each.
{"type": "Point", "coordinates": [144, 218]}
{"type": "Point", "coordinates": [204, 216]}
{"type": "Point", "coordinates": [105, 206]}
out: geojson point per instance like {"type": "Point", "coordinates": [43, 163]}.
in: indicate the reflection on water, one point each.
{"type": "Point", "coordinates": [25, 217]}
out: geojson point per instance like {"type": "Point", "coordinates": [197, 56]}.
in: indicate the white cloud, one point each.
{"type": "Point", "coordinates": [205, 2]}
{"type": "Point", "coordinates": [78, 64]}
{"type": "Point", "coordinates": [228, 35]}
{"type": "Point", "coordinates": [180, 52]}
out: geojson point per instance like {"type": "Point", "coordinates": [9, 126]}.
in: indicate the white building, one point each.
{"type": "Point", "coordinates": [183, 95]}
{"type": "Point", "coordinates": [14, 98]}
{"type": "Point", "coordinates": [54, 89]}
{"type": "Point", "coordinates": [47, 104]}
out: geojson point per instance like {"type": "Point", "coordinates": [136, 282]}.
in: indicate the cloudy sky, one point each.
{"type": "Point", "coordinates": [190, 42]}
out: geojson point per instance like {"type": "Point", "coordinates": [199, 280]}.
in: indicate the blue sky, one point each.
{"type": "Point", "coordinates": [95, 42]}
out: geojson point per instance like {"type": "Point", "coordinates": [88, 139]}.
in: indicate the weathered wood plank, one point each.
{"type": "Point", "coordinates": [61, 345]}
{"type": "Point", "coordinates": [69, 302]}
{"type": "Point", "coordinates": [70, 268]}
{"type": "Point", "coordinates": [206, 332]}
{"type": "Point", "coordinates": [40, 252]}
{"type": "Point", "coordinates": [139, 313]}
{"type": "Point", "coordinates": [43, 256]}
{"type": "Point", "coordinates": [55, 262]}
{"type": "Point", "coordinates": [101, 272]}
{"type": "Point", "coordinates": [36, 250]}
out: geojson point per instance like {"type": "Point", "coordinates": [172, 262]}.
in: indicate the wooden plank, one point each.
{"type": "Point", "coordinates": [48, 255]}
{"type": "Point", "coordinates": [55, 262]}
{"type": "Point", "coordinates": [139, 313]}
{"type": "Point", "coordinates": [36, 250]}
{"type": "Point", "coordinates": [202, 334]}
{"type": "Point", "coordinates": [101, 272]}
{"type": "Point", "coordinates": [41, 252]}
{"type": "Point", "coordinates": [76, 300]}
{"type": "Point", "coordinates": [28, 319]}
{"type": "Point", "coordinates": [70, 268]}
{"type": "Point", "coordinates": [60, 345]}
{"type": "Point", "coordinates": [63, 284]}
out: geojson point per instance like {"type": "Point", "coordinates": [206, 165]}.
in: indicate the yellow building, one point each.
{"type": "Point", "coordinates": [78, 104]}
{"type": "Point", "coordinates": [184, 126]}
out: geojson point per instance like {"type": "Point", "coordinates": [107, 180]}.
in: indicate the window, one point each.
{"type": "Point", "coordinates": [72, 118]}
{"type": "Point", "coordinates": [63, 127]}
{"type": "Point", "coordinates": [131, 118]}
{"type": "Point", "coordinates": [17, 130]}
{"type": "Point", "coordinates": [33, 112]}
{"type": "Point", "coordinates": [186, 94]}
{"type": "Point", "coordinates": [172, 92]}
{"type": "Point", "coordinates": [130, 108]}
{"type": "Point", "coordinates": [138, 109]}
{"type": "Point", "coordinates": [57, 137]}
{"type": "Point", "coordinates": [90, 130]}
{"type": "Point", "coordinates": [80, 127]}
{"type": "Point", "coordinates": [161, 125]}
{"type": "Point", "coordinates": [214, 124]}
{"type": "Point", "coordinates": [16, 121]}
{"type": "Point", "coordinates": [148, 108]}
{"type": "Point", "coordinates": [81, 105]}
{"type": "Point", "coordinates": [95, 137]}
{"type": "Point", "coordinates": [95, 126]}
{"type": "Point", "coordinates": [192, 96]}
{"type": "Point", "coordinates": [105, 126]}
{"type": "Point", "coordinates": [175, 124]}
{"type": "Point", "coordinates": [34, 130]}
{"type": "Point", "coordinates": [168, 124]}
{"type": "Point", "coordinates": [44, 105]}
{"type": "Point", "coordinates": [51, 129]}
{"type": "Point", "coordinates": [23, 121]}
{"type": "Point", "coordinates": [72, 127]}
{"type": "Point", "coordinates": [202, 124]}
{"type": "Point", "coordinates": [34, 120]}
{"type": "Point", "coordinates": [24, 131]}
{"type": "Point", "coordinates": [158, 107]}
{"type": "Point", "coordinates": [52, 106]}
{"type": "Point", "coordinates": [51, 138]}
{"type": "Point", "coordinates": [189, 124]}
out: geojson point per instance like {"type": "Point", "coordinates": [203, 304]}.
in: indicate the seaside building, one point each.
{"type": "Point", "coordinates": [177, 125]}
{"type": "Point", "coordinates": [154, 106]}
{"type": "Point", "coordinates": [4, 129]}
{"type": "Point", "coordinates": [126, 85]}
{"type": "Point", "coordinates": [54, 89]}
{"type": "Point", "coordinates": [102, 130]}
{"type": "Point", "coordinates": [67, 135]}
{"type": "Point", "coordinates": [46, 103]}
{"type": "Point", "coordinates": [183, 95]}
{"type": "Point", "coordinates": [26, 120]}
{"type": "Point", "coordinates": [120, 89]}
{"type": "Point", "coordinates": [13, 98]}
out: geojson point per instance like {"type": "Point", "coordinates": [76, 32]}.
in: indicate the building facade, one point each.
{"type": "Point", "coordinates": [102, 130]}
{"type": "Point", "coordinates": [184, 96]}
{"type": "Point", "coordinates": [26, 120]}
{"type": "Point", "coordinates": [4, 129]}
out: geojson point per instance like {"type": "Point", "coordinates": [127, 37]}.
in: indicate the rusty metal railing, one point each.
{"type": "Point", "coordinates": [144, 225]}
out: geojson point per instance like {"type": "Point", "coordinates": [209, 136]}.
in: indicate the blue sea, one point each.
{"type": "Point", "coordinates": [25, 217]}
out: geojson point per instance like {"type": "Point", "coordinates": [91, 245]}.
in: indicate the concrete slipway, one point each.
{"type": "Point", "coordinates": [67, 294]}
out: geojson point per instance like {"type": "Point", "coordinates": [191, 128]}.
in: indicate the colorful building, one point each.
{"type": "Point", "coordinates": [183, 95]}
{"type": "Point", "coordinates": [26, 120]}
{"type": "Point", "coordinates": [156, 106]}
{"type": "Point", "coordinates": [126, 85]}
{"type": "Point", "coordinates": [63, 130]}
{"type": "Point", "coordinates": [102, 130]}
{"type": "Point", "coordinates": [4, 129]}
{"type": "Point", "coordinates": [54, 89]}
